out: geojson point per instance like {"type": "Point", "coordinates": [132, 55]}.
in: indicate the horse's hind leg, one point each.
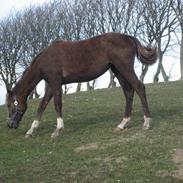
{"type": "Point", "coordinates": [129, 93]}
{"type": "Point", "coordinates": [42, 106]}
{"type": "Point", "coordinates": [128, 73]}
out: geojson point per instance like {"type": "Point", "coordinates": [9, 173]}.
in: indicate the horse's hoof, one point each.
{"type": "Point", "coordinates": [28, 136]}
{"type": "Point", "coordinates": [117, 129]}
{"type": "Point", "coordinates": [146, 127]}
{"type": "Point", "coordinates": [147, 123]}
{"type": "Point", "coordinates": [54, 135]}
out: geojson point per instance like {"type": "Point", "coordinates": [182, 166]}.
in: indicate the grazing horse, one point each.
{"type": "Point", "coordinates": [66, 62]}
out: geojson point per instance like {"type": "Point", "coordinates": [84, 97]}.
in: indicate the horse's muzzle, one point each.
{"type": "Point", "coordinates": [12, 124]}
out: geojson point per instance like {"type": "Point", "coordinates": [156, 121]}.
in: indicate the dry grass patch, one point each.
{"type": "Point", "coordinates": [178, 160]}
{"type": "Point", "coordinates": [109, 143]}
{"type": "Point", "coordinates": [87, 147]}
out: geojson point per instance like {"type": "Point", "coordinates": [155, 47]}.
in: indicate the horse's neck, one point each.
{"type": "Point", "coordinates": [27, 83]}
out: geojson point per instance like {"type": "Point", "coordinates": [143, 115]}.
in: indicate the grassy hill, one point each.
{"type": "Point", "coordinates": [90, 150]}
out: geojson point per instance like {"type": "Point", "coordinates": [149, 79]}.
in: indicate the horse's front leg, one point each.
{"type": "Point", "coordinates": [57, 94]}
{"type": "Point", "coordinates": [42, 106]}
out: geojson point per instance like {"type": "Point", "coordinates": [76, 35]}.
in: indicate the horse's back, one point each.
{"type": "Point", "coordinates": [86, 58]}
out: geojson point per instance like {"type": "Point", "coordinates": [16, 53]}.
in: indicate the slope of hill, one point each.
{"type": "Point", "coordinates": [90, 150]}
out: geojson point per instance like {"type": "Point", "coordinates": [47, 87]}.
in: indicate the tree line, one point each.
{"type": "Point", "coordinates": [23, 34]}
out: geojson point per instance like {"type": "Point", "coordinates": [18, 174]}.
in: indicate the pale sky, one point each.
{"type": "Point", "coordinates": [7, 6]}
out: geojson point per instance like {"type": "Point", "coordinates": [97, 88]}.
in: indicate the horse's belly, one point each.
{"type": "Point", "coordinates": [83, 76]}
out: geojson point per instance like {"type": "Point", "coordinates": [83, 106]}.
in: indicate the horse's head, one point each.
{"type": "Point", "coordinates": [16, 108]}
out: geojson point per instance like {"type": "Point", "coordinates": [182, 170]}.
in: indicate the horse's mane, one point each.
{"type": "Point", "coordinates": [36, 57]}
{"type": "Point", "coordinates": [32, 63]}
{"type": "Point", "coordinates": [28, 69]}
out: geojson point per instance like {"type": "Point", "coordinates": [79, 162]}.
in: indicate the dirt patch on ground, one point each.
{"type": "Point", "coordinates": [163, 173]}
{"type": "Point", "coordinates": [2, 180]}
{"type": "Point", "coordinates": [178, 160]}
{"type": "Point", "coordinates": [87, 147]}
{"type": "Point", "coordinates": [109, 160]}
{"type": "Point", "coordinates": [178, 156]}
{"type": "Point", "coordinates": [109, 143]}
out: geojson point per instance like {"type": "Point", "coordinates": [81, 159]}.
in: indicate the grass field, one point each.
{"type": "Point", "coordinates": [90, 150]}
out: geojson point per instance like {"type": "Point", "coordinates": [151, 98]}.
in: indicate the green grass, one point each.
{"type": "Point", "coordinates": [89, 150]}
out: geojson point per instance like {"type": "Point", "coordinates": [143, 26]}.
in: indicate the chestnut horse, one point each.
{"type": "Point", "coordinates": [66, 62]}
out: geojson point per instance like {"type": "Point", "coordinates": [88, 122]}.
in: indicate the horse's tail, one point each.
{"type": "Point", "coordinates": [147, 55]}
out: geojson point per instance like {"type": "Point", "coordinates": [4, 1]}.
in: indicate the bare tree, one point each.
{"type": "Point", "coordinates": [90, 21]}
{"type": "Point", "coordinates": [138, 29]}
{"type": "Point", "coordinates": [159, 24]}
{"type": "Point", "coordinates": [115, 16]}
{"type": "Point", "coordinates": [119, 15]}
{"type": "Point", "coordinates": [38, 33]}
{"type": "Point", "coordinates": [62, 27]}
{"type": "Point", "coordinates": [11, 49]}
{"type": "Point", "coordinates": [178, 9]}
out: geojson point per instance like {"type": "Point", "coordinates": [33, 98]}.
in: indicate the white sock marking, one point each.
{"type": "Point", "coordinates": [60, 123]}
{"type": "Point", "coordinates": [60, 126]}
{"type": "Point", "coordinates": [147, 121]}
{"type": "Point", "coordinates": [123, 123]}
{"type": "Point", "coordinates": [34, 126]}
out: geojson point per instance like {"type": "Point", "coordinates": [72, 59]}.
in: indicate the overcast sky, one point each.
{"type": "Point", "coordinates": [7, 6]}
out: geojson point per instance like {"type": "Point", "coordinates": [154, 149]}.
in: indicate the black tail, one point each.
{"type": "Point", "coordinates": [147, 55]}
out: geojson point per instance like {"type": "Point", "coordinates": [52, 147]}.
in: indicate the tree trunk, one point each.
{"type": "Point", "coordinates": [78, 89]}
{"type": "Point", "coordinates": [112, 83]}
{"type": "Point", "coordinates": [8, 85]}
{"type": "Point", "coordinates": [144, 71]}
{"type": "Point", "coordinates": [181, 55]}
{"type": "Point", "coordinates": [165, 77]}
{"type": "Point", "coordinates": [93, 84]}
{"type": "Point", "coordinates": [31, 96]}
{"type": "Point", "coordinates": [34, 94]}
{"type": "Point", "coordinates": [65, 89]}
{"type": "Point", "coordinates": [160, 69]}
{"type": "Point", "coordinates": [45, 87]}
{"type": "Point", "coordinates": [156, 76]}
{"type": "Point", "coordinates": [89, 87]}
